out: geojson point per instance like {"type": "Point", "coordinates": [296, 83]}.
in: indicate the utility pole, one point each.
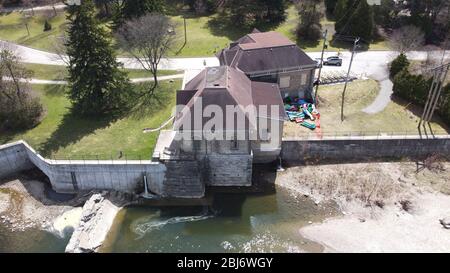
{"type": "Point", "coordinates": [355, 44]}
{"type": "Point", "coordinates": [445, 50]}
{"type": "Point", "coordinates": [440, 74]}
{"type": "Point", "coordinates": [321, 64]}
{"type": "Point", "coordinates": [185, 32]}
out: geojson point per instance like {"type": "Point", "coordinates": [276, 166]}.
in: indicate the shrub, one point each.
{"type": "Point", "coordinates": [444, 107]}
{"type": "Point", "coordinates": [398, 64]}
{"type": "Point", "coordinates": [47, 26]}
{"type": "Point", "coordinates": [413, 88]}
{"type": "Point", "coordinates": [19, 110]}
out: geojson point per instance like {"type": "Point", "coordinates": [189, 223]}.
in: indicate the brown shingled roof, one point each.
{"type": "Point", "coordinates": [263, 51]}
{"type": "Point", "coordinates": [224, 86]}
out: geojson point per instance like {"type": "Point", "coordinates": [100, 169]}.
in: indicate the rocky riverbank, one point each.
{"type": "Point", "coordinates": [386, 207]}
{"type": "Point", "coordinates": [24, 204]}
{"type": "Point", "coordinates": [27, 203]}
{"type": "Point", "coordinates": [97, 217]}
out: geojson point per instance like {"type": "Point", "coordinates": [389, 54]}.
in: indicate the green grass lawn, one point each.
{"type": "Point", "coordinates": [398, 117]}
{"type": "Point", "coordinates": [12, 28]}
{"type": "Point", "coordinates": [64, 135]}
{"type": "Point", "coordinates": [57, 72]}
{"type": "Point", "coordinates": [205, 34]}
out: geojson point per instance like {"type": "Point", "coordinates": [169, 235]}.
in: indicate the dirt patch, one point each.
{"type": "Point", "coordinates": [386, 207]}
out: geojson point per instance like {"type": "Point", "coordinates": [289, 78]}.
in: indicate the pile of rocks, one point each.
{"type": "Point", "coordinates": [96, 220]}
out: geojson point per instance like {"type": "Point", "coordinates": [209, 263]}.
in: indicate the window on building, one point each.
{"type": "Point", "coordinates": [285, 82]}
{"type": "Point", "coordinates": [304, 78]}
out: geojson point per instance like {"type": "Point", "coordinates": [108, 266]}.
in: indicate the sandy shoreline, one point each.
{"type": "Point", "coordinates": [24, 205]}
{"type": "Point", "coordinates": [387, 207]}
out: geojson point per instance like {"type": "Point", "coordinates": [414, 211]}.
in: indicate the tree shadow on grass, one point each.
{"type": "Point", "coordinates": [147, 105]}
{"type": "Point", "coordinates": [303, 44]}
{"type": "Point", "coordinates": [71, 129]}
{"type": "Point", "coordinates": [55, 90]}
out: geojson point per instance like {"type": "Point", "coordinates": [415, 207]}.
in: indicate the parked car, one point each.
{"type": "Point", "coordinates": [335, 60]}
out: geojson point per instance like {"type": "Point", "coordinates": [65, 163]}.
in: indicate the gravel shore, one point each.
{"type": "Point", "coordinates": [386, 207]}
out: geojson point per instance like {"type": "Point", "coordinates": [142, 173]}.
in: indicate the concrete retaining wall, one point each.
{"type": "Point", "coordinates": [13, 159]}
{"type": "Point", "coordinates": [71, 176]}
{"type": "Point", "coordinates": [364, 147]}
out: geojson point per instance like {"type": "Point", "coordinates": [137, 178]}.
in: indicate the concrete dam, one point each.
{"type": "Point", "coordinates": [188, 178]}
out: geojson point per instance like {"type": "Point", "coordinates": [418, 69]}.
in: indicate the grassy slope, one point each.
{"type": "Point", "coordinates": [56, 72]}
{"type": "Point", "coordinates": [205, 34]}
{"type": "Point", "coordinates": [63, 135]}
{"type": "Point", "coordinates": [397, 117]}
{"type": "Point", "coordinates": [13, 29]}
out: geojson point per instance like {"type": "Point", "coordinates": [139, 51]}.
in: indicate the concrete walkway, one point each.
{"type": "Point", "coordinates": [57, 6]}
{"type": "Point", "coordinates": [373, 65]}
{"type": "Point", "coordinates": [136, 80]}
{"type": "Point", "coordinates": [31, 55]}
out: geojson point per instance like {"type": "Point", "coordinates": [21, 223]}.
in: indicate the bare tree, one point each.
{"type": "Point", "coordinates": [406, 39]}
{"type": "Point", "coordinates": [148, 39]}
{"type": "Point", "coordinates": [59, 48]}
{"type": "Point", "coordinates": [19, 107]}
{"type": "Point", "coordinates": [29, 4]}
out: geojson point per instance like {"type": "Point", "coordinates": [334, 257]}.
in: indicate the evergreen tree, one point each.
{"type": "Point", "coordinates": [136, 8]}
{"type": "Point", "coordinates": [255, 13]}
{"type": "Point", "coordinates": [330, 6]}
{"type": "Point", "coordinates": [275, 10]}
{"type": "Point", "coordinates": [398, 64]}
{"type": "Point", "coordinates": [96, 83]}
{"type": "Point", "coordinates": [355, 18]}
{"type": "Point", "coordinates": [309, 27]}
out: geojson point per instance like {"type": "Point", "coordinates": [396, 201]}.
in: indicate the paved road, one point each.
{"type": "Point", "coordinates": [135, 80]}
{"type": "Point", "coordinates": [30, 55]}
{"type": "Point", "coordinates": [374, 65]}
{"type": "Point", "coordinates": [371, 64]}
{"type": "Point", "coordinates": [58, 6]}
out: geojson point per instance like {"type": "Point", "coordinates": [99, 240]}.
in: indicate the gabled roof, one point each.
{"type": "Point", "coordinates": [264, 51]}
{"type": "Point", "coordinates": [226, 86]}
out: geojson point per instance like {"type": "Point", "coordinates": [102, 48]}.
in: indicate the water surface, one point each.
{"type": "Point", "coordinates": [234, 223]}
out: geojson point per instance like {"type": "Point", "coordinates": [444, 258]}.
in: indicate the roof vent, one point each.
{"type": "Point", "coordinates": [216, 84]}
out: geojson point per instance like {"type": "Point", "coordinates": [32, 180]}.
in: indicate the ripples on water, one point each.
{"type": "Point", "coordinates": [234, 223]}
{"type": "Point", "coordinates": [146, 224]}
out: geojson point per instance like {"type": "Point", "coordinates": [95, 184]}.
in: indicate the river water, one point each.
{"type": "Point", "coordinates": [234, 223]}
{"type": "Point", "coordinates": [267, 222]}
{"type": "Point", "coordinates": [30, 241]}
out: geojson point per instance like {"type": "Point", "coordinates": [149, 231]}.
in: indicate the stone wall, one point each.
{"type": "Point", "coordinates": [184, 178]}
{"type": "Point", "coordinates": [296, 87]}
{"type": "Point", "coordinates": [363, 148]}
{"type": "Point", "coordinates": [71, 176]}
{"type": "Point", "coordinates": [229, 170]}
